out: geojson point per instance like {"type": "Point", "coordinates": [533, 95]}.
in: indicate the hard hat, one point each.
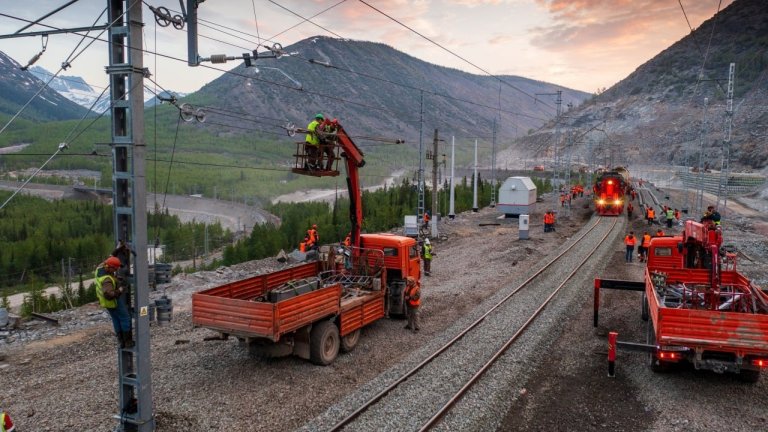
{"type": "Point", "coordinates": [314, 226]}
{"type": "Point", "coordinates": [426, 241]}
{"type": "Point", "coordinates": [319, 116]}
{"type": "Point", "coordinates": [113, 262]}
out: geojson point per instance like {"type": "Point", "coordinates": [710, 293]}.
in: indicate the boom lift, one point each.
{"type": "Point", "coordinates": [317, 309]}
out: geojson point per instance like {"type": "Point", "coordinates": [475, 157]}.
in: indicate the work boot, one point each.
{"type": "Point", "coordinates": [128, 340]}
{"type": "Point", "coordinates": [120, 340]}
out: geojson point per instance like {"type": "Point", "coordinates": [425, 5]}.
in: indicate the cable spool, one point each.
{"type": "Point", "coordinates": [200, 115]}
{"type": "Point", "coordinates": [164, 310]}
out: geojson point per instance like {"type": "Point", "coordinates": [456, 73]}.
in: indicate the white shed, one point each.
{"type": "Point", "coordinates": [517, 195]}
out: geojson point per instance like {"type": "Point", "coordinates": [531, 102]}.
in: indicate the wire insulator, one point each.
{"type": "Point", "coordinates": [218, 58]}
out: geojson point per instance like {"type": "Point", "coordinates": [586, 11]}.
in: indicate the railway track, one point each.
{"type": "Point", "coordinates": [426, 392]}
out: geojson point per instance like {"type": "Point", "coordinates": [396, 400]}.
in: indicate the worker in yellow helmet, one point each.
{"type": "Point", "coordinates": [312, 142]}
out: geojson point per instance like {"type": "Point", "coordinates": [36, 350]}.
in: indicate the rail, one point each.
{"type": "Point", "coordinates": [436, 417]}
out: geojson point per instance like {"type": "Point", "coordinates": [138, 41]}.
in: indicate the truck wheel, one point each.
{"type": "Point", "coordinates": [749, 375]}
{"type": "Point", "coordinates": [349, 342]}
{"type": "Point", "coordinates": [644, 306]}
{"type": "Point", "coordinates": [324, 343]}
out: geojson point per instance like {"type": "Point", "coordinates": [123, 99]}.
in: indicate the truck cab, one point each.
{"type": "Point", "coordinates": [401, 259]}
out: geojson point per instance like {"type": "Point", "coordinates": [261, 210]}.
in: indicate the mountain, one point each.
{"type": "Point", "coordinates": [17, 87]}
{"type": "Point", "coordinates": [374, 89]}
{"type": "Point", "coordinates": [80, 92]}
{"type": "Point", "coordinates": [656, 114]}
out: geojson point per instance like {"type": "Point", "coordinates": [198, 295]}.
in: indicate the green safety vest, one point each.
{"type": "Point", "coordinates": [312, 138]}
{"type": "Point", "coordinates": [109, 304]}
{"type": "Point", "coordinates": [670, 214]}
{"type": "Point", "coordinates": [428, 252]}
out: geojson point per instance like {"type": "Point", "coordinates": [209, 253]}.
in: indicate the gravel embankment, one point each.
{"type": "Point", "coordinates": [571, 390]}
{"type": "Point", "coordinates": [482, 408]}
{"type": "Point", "coordinates": [203, 385]}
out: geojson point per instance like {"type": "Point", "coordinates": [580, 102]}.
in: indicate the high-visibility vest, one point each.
{"type": "Point", "coordinates": [629, 240]}
{"type": "Point", "coordinates": [427, 251]}
{"type": "Point", "coordinates": [3, 419]}
{"type": "Point", "coordinates": [646, 240]}
{"type": "Point", "coordinates": [670, 214]}
{"type": "Point", "coordinates": [109, 304]}
{"type": "Point", "coordinates": [302, 247]}
{"type": "Point", "coordinates": [312, 138]}
{"type": "Point", "coordinates": [651, 213]}
{"type": "Point", "coordinates": [312, 234]}
{"type": "Point", "coordinates": [414, 296]}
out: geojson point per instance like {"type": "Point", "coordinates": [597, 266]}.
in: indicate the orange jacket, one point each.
{"type": "Point", "coordinates": [302, 247]}
{"type": "Point", "coordinates": [629, 240]}
{"type": "Point", "coordinates": [646, 240]}
{"type": "Point", "coordinates": [651, 213]}
{"type": "Point", "coordinates": [548, 219]}
{"type": "Point", "coordinates": [312, 234]}
{"type": "Point", "coordinates": [413, 295]}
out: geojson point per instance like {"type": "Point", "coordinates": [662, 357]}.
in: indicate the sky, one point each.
{"type": "Point", "coordinates": [582, 44]}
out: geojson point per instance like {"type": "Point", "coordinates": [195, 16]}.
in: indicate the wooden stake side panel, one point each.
{"type": "Point", "coordinates": [358, 312]}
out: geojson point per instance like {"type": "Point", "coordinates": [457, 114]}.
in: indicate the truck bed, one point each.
{"type": "Point", "coordinates": [739, 332]}
{"type": "Point", "coordinates": [233, 308]}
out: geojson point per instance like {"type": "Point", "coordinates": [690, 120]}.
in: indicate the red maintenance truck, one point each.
{"type": "Point", "coordinates": [318, 308]}
{"type": "Point", "coordinates": [701, 309]}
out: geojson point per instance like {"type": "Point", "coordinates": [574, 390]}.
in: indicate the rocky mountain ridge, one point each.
{"type": "Point", "coordinates": [671, 111]}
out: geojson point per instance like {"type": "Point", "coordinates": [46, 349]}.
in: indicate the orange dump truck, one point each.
{"type": "Point", "coordinates": [316, 309]}
{"type": "Point", "coordinates": [701, 309]}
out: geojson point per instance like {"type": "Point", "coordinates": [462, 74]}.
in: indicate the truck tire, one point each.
{"type": "Point", "coordinates": [324, 343]}
{"type": "Point", "coordinates": [644, 306]}
{"type": "Point", "coordinates": [749, 375]}
{"type": "Point", "coordinates": [349, 342]}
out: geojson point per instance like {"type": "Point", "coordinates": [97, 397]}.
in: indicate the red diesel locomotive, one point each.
{"type": "Point", "coordinates": [609, 191]}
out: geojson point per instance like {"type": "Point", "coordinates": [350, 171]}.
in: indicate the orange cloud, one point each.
{"type": "Point", "coordinates": [588, 24]}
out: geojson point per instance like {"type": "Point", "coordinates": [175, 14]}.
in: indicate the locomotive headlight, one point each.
{"type": "Point", "coordinates": [617, 202]}
{"type": "Point", "coordinates": [601, 201]}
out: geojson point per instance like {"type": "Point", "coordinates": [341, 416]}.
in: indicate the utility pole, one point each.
{"type": "Point", "coordinates": [126, 77]}
{"type": "Point", "coordinates": [434, 187]}
{"type": "Point", "coordinates": [420, 180]}
{"type": "Point", "coordinates": [451, 206]}
{"type": "Point", "coordinates": [700, 187]}
{"type": "Point", "coordinates": [555, 157]}
{"type": "Point", "coordinates": [722, 189]}
{"type": "Point", "coordinates": [474, 184]}
{"type": "Point", "coordinates": [493, 167]}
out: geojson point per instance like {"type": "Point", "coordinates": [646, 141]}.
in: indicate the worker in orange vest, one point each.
{"type": "Point", "coordinates": [630, 241]}
{"type": "Point", "coordinates": [314, 238]}
{"type": "Point", "coordinates": [348, 240]}
{"type": "Point", "coordinates": [547, 221]}
{"type": "Point", "coordinates": [413, 302]}
{"type": "Point", "coordinates": [303, 245]}
{"type": "Point", "coordinates": [425, 220]}
{"type": "Point", "coordinates": [650, 215]}
{"type": "Point", "coordinates": [644, 245]}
